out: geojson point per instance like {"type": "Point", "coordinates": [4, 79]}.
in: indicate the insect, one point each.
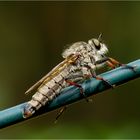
{"type": "Point", "coordinates": [81, 60]}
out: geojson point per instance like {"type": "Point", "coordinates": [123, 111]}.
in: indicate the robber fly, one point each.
{"type": "Point", "coordinates": [81, 60]}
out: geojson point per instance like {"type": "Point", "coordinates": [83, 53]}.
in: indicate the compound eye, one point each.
{"type": "Point", "coordinates": [97, 44]}
{"type": "Point", "coordinates": [98, 47]}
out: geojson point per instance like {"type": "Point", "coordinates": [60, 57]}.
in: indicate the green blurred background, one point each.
{"type": "Point", "coordinates": [32, 37]}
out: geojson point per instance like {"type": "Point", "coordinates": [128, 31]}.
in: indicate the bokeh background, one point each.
{"type": "Point", "coordinates": [32, 37]}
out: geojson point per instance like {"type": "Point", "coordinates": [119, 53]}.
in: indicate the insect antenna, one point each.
{"type": "Point", "coordinates": [100, 37]}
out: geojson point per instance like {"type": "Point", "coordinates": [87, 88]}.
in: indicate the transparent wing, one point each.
{"type": "Point", "coordinates": [61, 66]}
{"type": "Point", "coordinates": [36, 85]}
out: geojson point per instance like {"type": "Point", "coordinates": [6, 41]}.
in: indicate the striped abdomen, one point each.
{"type": "Point", "coordinates": [48, 91]}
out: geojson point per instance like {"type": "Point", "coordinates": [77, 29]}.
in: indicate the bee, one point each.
{"type": "Point", "coordinates": [81, 60]}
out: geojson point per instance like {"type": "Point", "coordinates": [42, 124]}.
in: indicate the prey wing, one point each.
{"type": "Point", "coordinates": [55, 71]}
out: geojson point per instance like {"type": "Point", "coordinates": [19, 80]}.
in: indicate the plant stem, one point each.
{"type": "Point", "coordinates": [72, 94]}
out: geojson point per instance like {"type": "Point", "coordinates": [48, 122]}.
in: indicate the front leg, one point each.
{"type": "Point", "coordinates": [115, 62]}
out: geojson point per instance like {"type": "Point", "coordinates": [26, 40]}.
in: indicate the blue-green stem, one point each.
{"type": "Point", "coordinates": [72, 94]}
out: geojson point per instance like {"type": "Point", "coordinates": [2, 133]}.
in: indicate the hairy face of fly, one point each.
{"type": "Point", "coordinates": [99, 47]}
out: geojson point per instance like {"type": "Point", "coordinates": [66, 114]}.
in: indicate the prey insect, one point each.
{"type": "Point", "coordinates": [81, 60]}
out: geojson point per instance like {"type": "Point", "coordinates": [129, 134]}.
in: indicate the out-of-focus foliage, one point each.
{"type": "Point", "coordinates": [32, 37]}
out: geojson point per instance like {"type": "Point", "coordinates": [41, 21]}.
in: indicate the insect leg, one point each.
{"type": "Point", "coordinates": [115, 62]}
{"type": "Point", "coordinates": [81, 89]}
{"type": "Point", "coordinates": [98, 77]}
{"type": "Point", "coordinates": [110, 64]}
{"type": "Point", "coordinates": [104, 80]}
{"type": "Point", "coordinates": [77, 85]}
{"type": "Point", "coordinates": [60, 113]}
{"type": "Point", "coordinates": [74, 79]}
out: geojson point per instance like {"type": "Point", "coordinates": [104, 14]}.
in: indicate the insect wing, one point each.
{"type": "Point", "coordinates": [61, 66]}
{"type": "Point", "coordinates": [36, 85]}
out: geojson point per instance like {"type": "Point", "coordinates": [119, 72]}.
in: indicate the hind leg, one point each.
{"type": "Point", "coordinates": [60, 113]}
{"type": "Point", "coordinates": [74, 79]}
